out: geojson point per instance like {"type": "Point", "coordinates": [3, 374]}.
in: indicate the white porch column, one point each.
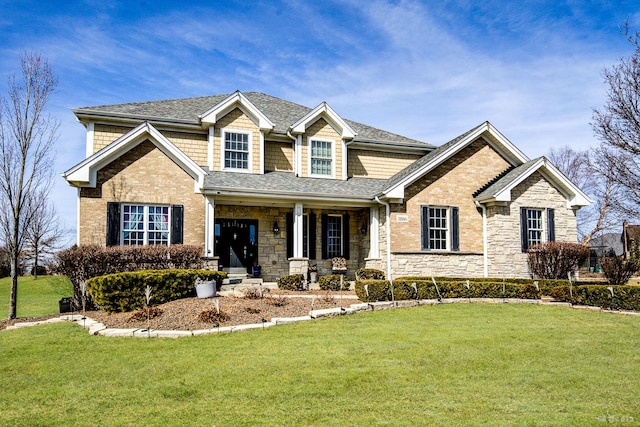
{"type": "Point", "coordinates": [374, 232]}
{"type": "Point", "coordinates": [209, 227]}
{"type": "Point", "coordinates": [89, 140]}
{"type": "Point", "coordinates": [298, 230]}
{"type": "Point", "coordinates": [210, 147]}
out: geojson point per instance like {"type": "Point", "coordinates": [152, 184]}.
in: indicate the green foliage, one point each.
{"type": "Point", "coordinates": [555, 260]}
{"type": "Point", "coordinates": [624, 297]}
{"type": "Point", "coordinates": [292, 282]}
{"type": "Point", "coordinates": [126, 291]}
{"type": "Point", "coordinates": [376, 290]}
{"type": "Point", "coordinates": [80, 263]}
{"type": "Point", "coordinates": [332, 282]}
{"type": "Point", "coordinates": [618, 270]}
{"type": "Point", "coordinates": [370, 274]}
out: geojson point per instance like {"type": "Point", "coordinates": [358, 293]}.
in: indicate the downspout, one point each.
{"type": "Point", "coordinates": [388, 230]}
{"type": "Point", "coordinates": [485, 241]}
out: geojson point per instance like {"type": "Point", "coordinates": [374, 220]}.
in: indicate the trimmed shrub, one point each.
{"type": "Point", "coordinates": [80, 263]}
{"type": "Point", "coordinates": [369, 274]}
{"type": "Point", "coordinates": [331, 282]}
{"type": "Point", "coordinates": [376, 290]}
{"type": "Point", "coordinates": [618, 270]}
{"type": "Point", "coordinates": [292, 282]}
{"type": "Point", "coordinates": [555, 260]}
{"type": "Point", "coordinates": [126, 291]}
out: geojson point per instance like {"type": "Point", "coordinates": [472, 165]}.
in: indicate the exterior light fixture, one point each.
{"type": "Point", "coordinates": [276, 229]}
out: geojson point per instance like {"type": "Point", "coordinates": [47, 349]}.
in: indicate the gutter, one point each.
{"type": "Point", "coordinates": [388, 231]}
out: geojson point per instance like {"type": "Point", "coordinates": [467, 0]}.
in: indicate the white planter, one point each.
{"type": "Point", "coordinates": [206, 289]}
{"type": "Point", "coordinates": [313, 276]}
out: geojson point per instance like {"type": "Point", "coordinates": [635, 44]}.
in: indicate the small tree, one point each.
{"type": "Point", "coordinates": [555, 260]}
{"type": "Point", "coordinates": [44, 233]}
{"type": "Point", "coordinates": [618, 270]}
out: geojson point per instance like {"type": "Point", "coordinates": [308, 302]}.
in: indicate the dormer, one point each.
{"type": "Point", "coordinates": [321, 143]}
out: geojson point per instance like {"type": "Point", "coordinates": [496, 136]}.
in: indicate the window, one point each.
{"type": "Point", "coordinates": [334, 236]}
{"type": "Point", "coordinates": [321, 157]}
{"type": "Point", "coordinates": [145, 225]}
{"type": "Point", "coordinates": [532, 224]}
{"type": "Point", "coordinates": [440, 228]}
{"type": "Point", "coordinates": [236, 150]}
{"type": "Point", "coordinates": [138, 224]}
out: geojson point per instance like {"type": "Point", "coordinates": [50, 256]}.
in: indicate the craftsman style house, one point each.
{"type": "Point", "coordinates": [256, 179]}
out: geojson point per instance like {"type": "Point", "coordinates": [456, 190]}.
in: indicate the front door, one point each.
{"type": "Point", "coordinates": [236, 243]}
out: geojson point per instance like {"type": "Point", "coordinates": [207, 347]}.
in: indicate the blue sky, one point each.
{"type": "Point", "coordinates": [429, 70]}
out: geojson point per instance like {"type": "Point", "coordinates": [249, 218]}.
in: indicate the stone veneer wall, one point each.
{"type": "Point", "coordinates": [503, 223]}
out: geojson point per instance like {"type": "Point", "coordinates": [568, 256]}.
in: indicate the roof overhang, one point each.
{"type": "Point", "coordinates": [84, 174]}
{"type": "Point", "coordinates": [324, 111]}
{"type": "Point", "coordinates": [233, 101]}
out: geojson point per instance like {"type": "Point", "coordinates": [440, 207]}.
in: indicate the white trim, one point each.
{"type": "Point", "coordinates": [344, 160]}
{"type": "Point", "coordinates": [374, 232]}
{"type": "Point", "coordinates": [298, 230]}
{"type": "Point", "coordinates": [209, 226]}
{"type": "Point", "coordinates": [145, 221]}
{"type": "Point", "coordinates": [326, 112]}
{"type": "Point", "coordinates": [223, 150]}
{"type": "Point", "coordinates": [233, 101]}
{"type": "Point", "coordinates": [89, 144]}
{"type": "Point", "coordinates": [333, 156]}
{"type": "Point", "coordinates": [84, 174]}
{"type": "Point", "coordinates": [297, 167]}
{"type": "Point", "coordinates": [261, 155]}
{"type": "Point", "coordinates": [211, 147]}
{"type": "Point", "coordinates": [78, 216]}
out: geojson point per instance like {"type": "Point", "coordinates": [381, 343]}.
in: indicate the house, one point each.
{"type": "Point", "coordinates": [254, 178]}
{"type": "Point", "coordinates": [604, 245]}
{"type": "Point", "coordinates": [630, 239]}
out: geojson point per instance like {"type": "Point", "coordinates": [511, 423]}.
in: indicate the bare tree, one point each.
{"type": "Point", "coordinates": [617, 126]}
{"type": "Point", "coordinates": [27, 136]}
{"type": "Point", "coordinates": [44, 233]}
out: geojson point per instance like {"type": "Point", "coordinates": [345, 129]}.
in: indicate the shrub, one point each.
{"type": "Point", "coordinates": [38, 270]}
{"type": "Point", "coordinates": [555, 260]}
{"type": "Point", "coordinates": [333, 282]}
{"type": "Point", "coordinates": [144, 314]}
{"type": "Point", "coordinates": [126, 291]}
{"type": "Point", "coordinates": [618, 270]}
{"type": "Point", "coordinates": [212, 315]}
{"type": "Point", "coordinates": [292, 282]}
{"type": "Point", "coordinates": [376, 290]}
{"type": "Point", "coordinates": [369, 274]}
{"type": "Point", "coordinates": [80, 263]}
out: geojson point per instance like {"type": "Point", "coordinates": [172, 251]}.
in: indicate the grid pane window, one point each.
{"type": "Point", "coordinates": [145, 225]}
{"type": "Point", "coordinates": [236, 150]}
{"type": "Point", "coordinates": [334, 236]}
{"type": "Point", "coordinates": [534, 226]}
{"type": "Point", "coordinates": [321, 157]}
{"type": "Point", "coordinates": [438, 228]}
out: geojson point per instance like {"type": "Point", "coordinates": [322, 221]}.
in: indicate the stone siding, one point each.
{"type": "Point", "coordinates": [143, 175]}
{"type": "Point", "coordinates": [447, 265]}
{"type": "Point", "coordinates": [376, 164]}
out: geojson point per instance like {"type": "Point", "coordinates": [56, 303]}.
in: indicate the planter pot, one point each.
{"type": "Point", "coordinates": [206, 289]}
{"type": "Point", "coordinates": [313, 275]}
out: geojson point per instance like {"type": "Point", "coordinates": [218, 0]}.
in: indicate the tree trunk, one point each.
{"type": "Point", "coordinates": [13, 298]}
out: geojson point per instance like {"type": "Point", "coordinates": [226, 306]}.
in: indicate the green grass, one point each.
{"type": "Point", "coordinates": [462, 364]}
{"type": "Point", "coordinates": [37, 297]}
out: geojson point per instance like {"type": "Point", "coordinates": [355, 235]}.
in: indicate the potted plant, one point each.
{"type": "Point", "coordinates": [313, 273]}
{"type": "Point", "coordinates": [256, 269]}
{"type": "Point", "coordinates": [205, 288]}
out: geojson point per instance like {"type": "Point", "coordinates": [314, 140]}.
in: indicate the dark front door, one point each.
{"type": "Point", "coordinates": [236, 243]}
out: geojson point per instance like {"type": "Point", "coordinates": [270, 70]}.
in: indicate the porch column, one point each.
{"type": "Point", "coordinates": [298, 231]}
{"type": "Point", "coordinates": [374, 232]}
{"type": "Point", "coordinates": [209, 227]}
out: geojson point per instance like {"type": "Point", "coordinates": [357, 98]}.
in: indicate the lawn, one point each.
{"type": "Point", "coordinates": [36, 297]}
{"type": "Point", "coordinates": [460, 364]}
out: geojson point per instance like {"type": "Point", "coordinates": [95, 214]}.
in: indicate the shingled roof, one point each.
{"type": "Point", "coordinates": [282, 113]}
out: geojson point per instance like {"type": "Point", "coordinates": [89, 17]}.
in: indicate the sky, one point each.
{"type": "Point", "coordinates": [429, 70]}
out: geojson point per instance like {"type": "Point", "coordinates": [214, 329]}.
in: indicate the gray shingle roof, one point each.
{"type": "Point", "coordinates": [286, 183]}
{"type": "Point", "coordinates": [282, 113]}
{"type": "Point", "coordinates": [506, 180]}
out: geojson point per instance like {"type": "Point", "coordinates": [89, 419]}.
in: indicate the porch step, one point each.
{"type": "Point", "coordinates": [235, 270]}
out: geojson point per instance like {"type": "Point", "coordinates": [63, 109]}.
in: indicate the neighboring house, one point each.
{"type": "Point", "coordinates": [603, 245]}
{"type": "Point", "coordinates": [254, 178]}
{"type": "Point", "coordinates": [630, 239]}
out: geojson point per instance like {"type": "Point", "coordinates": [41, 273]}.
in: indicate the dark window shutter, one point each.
{"type": "Point", "coordinates": [524, 229]}
{"type": "Point", "coordinates": [323, 219]}
{"type": "Point", "coordinates": [455, 229]}
{"type": "Point", "coordinates": [551, 225]}
{"type": "Point", "coordinates": [289, 219]}
{"type": "Point", "coordinates": [345, 236]}
{"type": "Point", "coordinates": [425, 228]}
{"type": "Point", "coordinates": [113, 223]}
{"type": "Point", "coordinates": [312, 236]}
{"type": "Point", "coordinates": [177, 224]}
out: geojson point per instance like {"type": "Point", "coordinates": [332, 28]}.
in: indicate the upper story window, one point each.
{"type": "Point", "coordinates": [321, 157]}
{"type": "Point", "coordinates": [145, 225]}
{"type": "Point", "coordinates": [237, 149]}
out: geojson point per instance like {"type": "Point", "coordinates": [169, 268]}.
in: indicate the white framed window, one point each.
{"type": "Point", "coordinates": [145, 225]}
{"type": "Point", "coordinates": [236, 150]}
{"type": "Point", "coordinates": [440, 228]}
{"type": "Point", "coordinates": [321, 158]}
{"type": "Point", "coordinates": [536, 227]}
{"type": "Point", "coordinates": [334, 236]}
